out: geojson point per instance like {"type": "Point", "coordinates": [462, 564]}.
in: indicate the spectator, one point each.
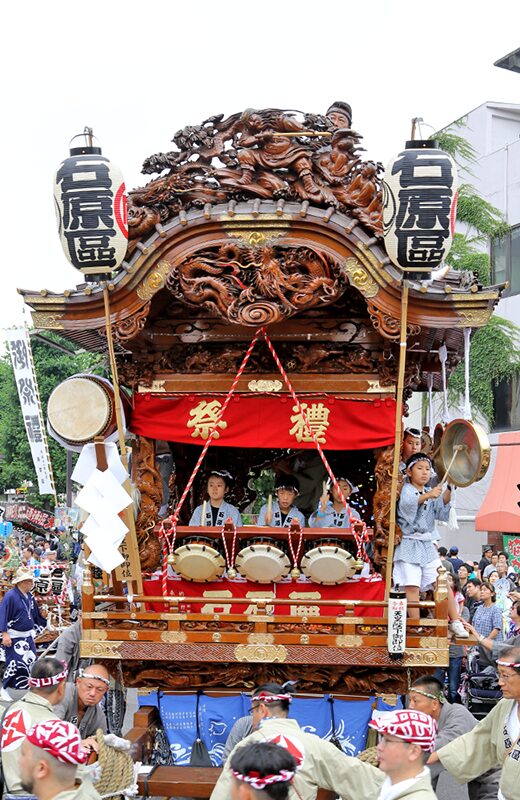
{"type": "Point", "coordinates": [455, 651]}
{"type": "Point", "coordinates": [491, 567]}
{"type": "Point", "coordinates": [487, 619]}
{"type": "Point", "coordinates": [454, 558]}
{"type": "Point", "coordinates": [493, 577]}
{"type": "Point", "coordinates": [485, 561]}
{"type": "Point", "coordinates": [463, 573]}
{"type": "Point", "coordinates": [473, 596]}
{"type": "Point", "coordinates": [446, 563]}
{"type": "Point", "coordinates": [504, 566]}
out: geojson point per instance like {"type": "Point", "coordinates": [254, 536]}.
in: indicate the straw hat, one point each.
{"type": "Point", "coordinates": [22, 574]}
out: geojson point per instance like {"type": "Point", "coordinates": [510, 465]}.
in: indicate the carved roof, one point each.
{"type": "Point", "coordinates": [261, 218]}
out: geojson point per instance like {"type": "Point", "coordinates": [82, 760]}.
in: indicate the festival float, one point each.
{"type": "Point", "coordinates": [275, 307]}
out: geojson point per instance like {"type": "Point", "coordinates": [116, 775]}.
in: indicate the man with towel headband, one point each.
{"type": "Point", "coordinates": [49, 761]}
{"type": "Point", "coordinates": [81, 703]}
{"type": "Point", "coordinates": [46, 689]}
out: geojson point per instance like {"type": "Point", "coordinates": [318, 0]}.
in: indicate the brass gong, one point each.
{"type": "Point", "coordinates": [465, 446]}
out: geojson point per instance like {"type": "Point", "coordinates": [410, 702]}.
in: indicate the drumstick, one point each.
{"type": "Point", "coordinates": [456, 450]}
{"type": "Point", "coordinates": [203, 520]}
{"type": "Point", "coordinates": [324, 487]}
{"type": "Point", "coordinates": [269, 514]}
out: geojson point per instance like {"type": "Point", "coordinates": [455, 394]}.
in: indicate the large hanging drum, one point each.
{"type": "Point", "coordinates": [464, 451]}
{"type": "Point", "coordinates": [263, 560]}
{"type": "Point", "coordinates": [81, 408]}
{"type": "Point", "coordinates": [200, 559]}
{"type": "Point", "coordinates": [328, 562]}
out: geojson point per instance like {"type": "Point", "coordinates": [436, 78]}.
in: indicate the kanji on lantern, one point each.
{"type": "Point", "coordinates": [203, 418]}
{"type": "Point", "coordinates": [318, 421]}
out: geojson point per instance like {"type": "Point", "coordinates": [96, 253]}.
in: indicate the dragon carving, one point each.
{"type": "Point", "coordinates": [268, 153]}
{"type": "Point", "coordinates": [257, 285]}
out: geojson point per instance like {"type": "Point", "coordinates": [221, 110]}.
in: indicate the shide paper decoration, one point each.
{"type": "Point", "coordinates": [419, 207]}
{"type": "Point", "coordinates": [103, 497]}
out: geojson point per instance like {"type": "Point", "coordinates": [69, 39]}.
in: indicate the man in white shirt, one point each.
{"type": "Point", "coordinates": [407, 738]}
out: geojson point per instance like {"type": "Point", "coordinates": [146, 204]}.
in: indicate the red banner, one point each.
{"type": "Point", "coordinates": [339, 424]}
{"type": "Point", "coordinates": [304, 594]}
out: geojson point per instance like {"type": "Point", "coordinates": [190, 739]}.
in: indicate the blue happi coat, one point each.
{"type": "Point", "coordinates": [277, 516]}
{"type": "Point", "coordinates": [225, 512]}
{"type": "Point", "coordinates": [20, 617]}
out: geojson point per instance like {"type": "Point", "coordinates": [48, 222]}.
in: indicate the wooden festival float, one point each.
{"type": "Point", "coordinates": [256, 321]}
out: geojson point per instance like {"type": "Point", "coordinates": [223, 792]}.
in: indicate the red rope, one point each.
{"type": "Point", "coordinates": [175, 516]}
{"type": "Point", "coordinates": [358, 537]}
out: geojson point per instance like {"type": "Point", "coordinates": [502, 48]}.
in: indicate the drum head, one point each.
{"type": "Point", "coordinates": [328, 564]}
{"type": "Point", "coordinates": [79, 409]}
{"type": "Point", "coordinates": [262, 562]}
{"type": "Point", "coordinates": [199, 562]}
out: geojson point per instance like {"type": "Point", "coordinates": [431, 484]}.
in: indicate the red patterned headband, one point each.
{"type": "Point", "coordinates": [54, 680]}
{"type": "Point", "coordinates": [264, 697]}
{"type": "Point", "coordinates": [508, 664]}
{"type": "Point", "coordinates": [59, 738]}
{"type": "Point", "coordinates": [257, 781]}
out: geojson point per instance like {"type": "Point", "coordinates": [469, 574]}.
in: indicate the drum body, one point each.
{"type": "Point", "coordinates": [263, 560]}
{"type": "Point", "coordinates": [81, 408]}
{"type": "Point", "coordinates": [328, 562]}
{"type": "Point", "coordinates": [199, 559]}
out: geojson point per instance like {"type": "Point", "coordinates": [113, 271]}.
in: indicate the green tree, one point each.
{"type": "Point", "coordinates": [494, 348]}
{"type": "Point", "coordinates": [54, 361]}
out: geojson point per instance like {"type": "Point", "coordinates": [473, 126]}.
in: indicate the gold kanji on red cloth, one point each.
{"type": "Point", "coordinates": [318, 419]}
{"type": "Point", "coordinates": [204, 416]}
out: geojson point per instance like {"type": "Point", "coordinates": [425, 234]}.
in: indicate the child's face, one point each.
{"type": "Point", "coordinates": [411, 445]}
{"type": "Point", "coordinates": [216, 488]}
{"type": "Point", "coordinates": [285, 499]}
{"type": "Point", "coordinates": [419, 473]}
{"type": "Point", "coordinates": [345, 488]}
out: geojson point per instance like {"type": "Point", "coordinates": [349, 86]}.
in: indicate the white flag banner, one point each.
{"type": "Point", "coordinates": [25, 377]}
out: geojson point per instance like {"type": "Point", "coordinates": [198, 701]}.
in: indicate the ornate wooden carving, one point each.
{"type": "Point", "coordinates": [388, 326]}
{"type": "Point", "coordinates": [383, 473]}
{"type": "Point", "coordinates": [130, 327]}
{"type": "Point", "coordinates": [257, 285]}
{"type": "Point", "coordinates": [148, 479]}
{"type": "Point", "coordinates": [268, 153]}
{"type": "Point", "coordinates": [245, 676]}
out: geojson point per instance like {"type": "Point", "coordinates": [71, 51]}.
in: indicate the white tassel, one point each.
{"type": "Point", "coordinates": [443, 357]}
{"type": "Point", "coordinates": [466, 411]}
{"type": "Point", "coordinates": [453, 521]}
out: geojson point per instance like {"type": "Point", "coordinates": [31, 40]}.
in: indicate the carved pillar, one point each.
{"type": "Point", "coordinates": [383, 473]}
{"type": "Point", "coordinates": [149, 482]}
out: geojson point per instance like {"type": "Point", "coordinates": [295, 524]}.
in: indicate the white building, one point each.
{"type": "Point", "coordinates": [493, 130]}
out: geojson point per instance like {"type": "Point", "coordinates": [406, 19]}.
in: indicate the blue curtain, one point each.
{"type": "Point", "coordinates": [218, 714]}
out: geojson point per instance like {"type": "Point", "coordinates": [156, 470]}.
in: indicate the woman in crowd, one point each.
{"type": "Point", "coordinates": [487, 620]}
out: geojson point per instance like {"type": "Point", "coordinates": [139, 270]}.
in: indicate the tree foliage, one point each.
{"type": "Point", "coordinates": [495, 356]}
{"type": "Point", "coordinates": [52, 367]}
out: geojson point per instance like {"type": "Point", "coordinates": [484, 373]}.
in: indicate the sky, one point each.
{"type": "Point", "coordinates": [138, 72]}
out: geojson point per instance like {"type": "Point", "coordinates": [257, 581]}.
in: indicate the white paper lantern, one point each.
{"type": "Point", "coordinates": [419, 207]}
{"type": "Point", "coordinates": [91, 207]}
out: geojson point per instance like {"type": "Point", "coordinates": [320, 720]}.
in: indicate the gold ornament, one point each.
{"type": "Point", "coordinates": [231, 573]}
{"type": "Point", "coordinates": [359, 564]}
{"type": "Point", "coordinates": [171, 559]}
{"type": "Point", "coordinates": [295, 573]}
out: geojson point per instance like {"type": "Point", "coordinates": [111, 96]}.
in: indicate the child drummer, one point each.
{"type": "Point", "coordinates": [282, 512]}
{"type": "Point", "coordinates": [217, 511]}
{"type": "Point", "coordinates": [332, 513]}
{"type": "Point", "coordinates": [416, 560]}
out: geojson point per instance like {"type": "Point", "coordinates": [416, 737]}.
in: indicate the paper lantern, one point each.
{"type": "Point", "coordinates": [91, 207]}
{"type": "Point", "coordinates": [419, 207]}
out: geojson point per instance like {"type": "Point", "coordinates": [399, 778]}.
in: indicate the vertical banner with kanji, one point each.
{"type": "Point", "coordinates": [511, 546]}
{"type": "Point", "coordinates": [25, 377]}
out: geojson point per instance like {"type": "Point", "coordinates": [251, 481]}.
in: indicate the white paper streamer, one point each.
{"type": "Point", "coordinates": [443, 357]}
{"type": "Point", "coordinates": [430, 402]}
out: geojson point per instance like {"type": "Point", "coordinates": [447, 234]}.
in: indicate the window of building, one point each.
{"type": "Point", "coordinates": [505, 260]}
{"type": "Point", "coordinates": [506, 401]}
